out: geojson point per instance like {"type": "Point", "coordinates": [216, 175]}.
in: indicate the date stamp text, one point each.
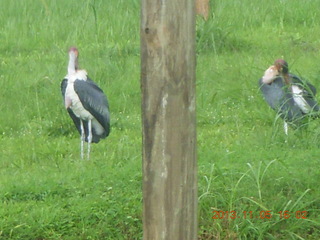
{"type": "Point", "coordinates": [259, 215]}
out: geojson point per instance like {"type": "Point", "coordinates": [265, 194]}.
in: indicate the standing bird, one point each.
{"type": "Point", "coordinates": [291, 97]}
{"type": "Point", "coordinates": [86, 103]}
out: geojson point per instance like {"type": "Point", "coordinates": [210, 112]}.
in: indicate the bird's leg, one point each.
{"type": "Point", "coordinates": [285, 126]}
{"type": "Point", "coordinates": [82, 138]}
{"type": "Point", "coordinates": [89, 137]}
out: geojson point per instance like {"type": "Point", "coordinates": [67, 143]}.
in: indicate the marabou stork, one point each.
{"type": "Point", "coordinates": [291, 97]}
{"type": "Point", "coordinates": [86, 103]}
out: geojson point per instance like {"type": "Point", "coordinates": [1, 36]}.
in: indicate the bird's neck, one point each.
{"type": "Point", "coordinates": [73, 64]}
{"type": "Point", "coordinates": [286, 79]}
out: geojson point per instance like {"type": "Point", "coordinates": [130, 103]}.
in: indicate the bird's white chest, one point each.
{"type": "Point", "coordinates": [76, 106]}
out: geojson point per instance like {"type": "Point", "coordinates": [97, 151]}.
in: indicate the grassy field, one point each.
{"type": "Point", "coordinates": [246, 163]}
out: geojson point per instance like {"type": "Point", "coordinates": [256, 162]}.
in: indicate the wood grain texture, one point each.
{"type": "Point", "coordinates": [169, 119]}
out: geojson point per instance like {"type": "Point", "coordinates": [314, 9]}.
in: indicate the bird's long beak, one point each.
{"type": "Point", "coordinates": [270, 74]}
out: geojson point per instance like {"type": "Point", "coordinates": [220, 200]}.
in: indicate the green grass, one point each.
{"type": "Point", "coordinates": [246, 163]}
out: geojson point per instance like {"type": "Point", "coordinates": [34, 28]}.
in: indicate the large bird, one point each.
{"type": "Point", "coordinates": [291, 97]}
{"type": "Point", "coordinates": [86, 103]}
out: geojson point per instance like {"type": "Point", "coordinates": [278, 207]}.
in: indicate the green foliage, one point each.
{"type": "Point", "coordinates": [246, 163]}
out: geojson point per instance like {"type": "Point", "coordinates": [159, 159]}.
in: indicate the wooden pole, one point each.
{"type": "Point", "coordinates": [169, 119]}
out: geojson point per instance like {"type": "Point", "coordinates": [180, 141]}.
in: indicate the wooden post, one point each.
{"type": "Point", "coordinates": [169, 119]}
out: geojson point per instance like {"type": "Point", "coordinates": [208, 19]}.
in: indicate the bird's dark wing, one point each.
{"type": "Point", "coordinates": [289, 110]}
{"type": "Point", "coordinates": [76, 121]}
{"type": "Point", "coordinates": [279, 98]}
{"type": "Point", "coordinates": [94, 101]}
{"type": "Point", "coordinates": [273, 93]}
{"type": "Point", "coordinates": [64, 85]}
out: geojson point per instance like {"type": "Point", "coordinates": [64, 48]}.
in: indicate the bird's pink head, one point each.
{"type": "Point", "coordinates": [74, 50]}
{"type": "Point", "coordinates": [279, 67]}
{"type": "Point", "coordinates": [282, 66]}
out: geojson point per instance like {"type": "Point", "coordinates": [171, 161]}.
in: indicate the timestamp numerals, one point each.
{"type": "Point", "coordinates": [258, 215]}
{"type": "Point", "coordinates": [297, 214]}
{"type": "Point", "coordinates": [262, 215]}
{"type": "Point", "coordinates": [224, 214]}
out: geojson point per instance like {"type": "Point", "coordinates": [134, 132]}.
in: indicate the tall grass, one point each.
{"type": "Point", "coordinates": [246, 163]}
